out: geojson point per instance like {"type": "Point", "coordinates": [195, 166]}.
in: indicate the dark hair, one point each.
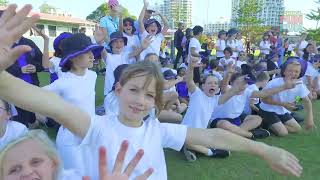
{"type": "Point", "coordinates": [213, 64]}
{"type": "Point", "coordinates": [197, 30]}
{"type": "Point", "coordinates": [306, 54]}
{"type": "Point", "coordinates": [180, 69]}
{"type": "Point", "coordinates": [131, 21]}
{"type": "Point", "coordinates": [229, 50]}
{"type": "Point", "coordinates": [67, 66]}
{"type": "Point", "coordinates": [7, 106]}
{"type": "Point", "coordinates": [188, 33]}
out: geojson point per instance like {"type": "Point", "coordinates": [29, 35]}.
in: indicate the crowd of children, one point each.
{"type": "Point", "coordinates": [207, 105]}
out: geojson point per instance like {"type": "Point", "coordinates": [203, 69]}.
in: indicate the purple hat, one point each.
{"type": "Point", "coordinates": [169, 75]}
{"type": "Point", "coordinates": [117, 35]}
{"type": "Point", "coordinates": [76, 45]}
{"type": "Point", "coordinates": [303, 63]}
{"type": "Point", "coordinates": [148, 22]}
{"type": "Point", "coordinates": [58, 40]}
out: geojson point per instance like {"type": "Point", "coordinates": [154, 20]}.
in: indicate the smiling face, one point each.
{"type": "Point", "coordinates": [227, 54]}
{"type": "Point", "coordinates": [292, 71]}
{"type": "Point", "coordinates": [136, 97]}
{"type": "Point", "coordinates": [211, 86]}
{"type": "Point", "coordinates": [127, 27]}
{"type": "Point", "coordinates": [152, 29]}
{"type": "Point", "coordinates": [28, 160]}
{"type": "Point", "coordinates": [117, 46]}
{"type": "Point", "coordinates": [83, 61]}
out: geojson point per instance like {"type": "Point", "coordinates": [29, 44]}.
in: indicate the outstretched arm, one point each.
{"type": "Point", "coordinates": [141, 17]}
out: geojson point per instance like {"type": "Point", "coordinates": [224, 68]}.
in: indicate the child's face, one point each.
{"type": "Point", "coordinates": [223, 36]}
{"type": "Point", "coordinates": [84, 60]}
{"type": "Point", "coordinates": [127, 27]}
{"type": "Point", "coordinates": [239, 83]}
{"type": "Point", "coordinates": [292, 71]}
{"type": "Point", "coordinates": [4, 115]}
{"type": "Point", "coordinates": [135, 99]}
{"type": "Point", "coordinates": [211, 86]}
{"type": "Point", "coordinates": [152, 29]}
{"type": "Point", "coordinates": [117, 46]}
{"type": "Point", "coordinates": [227, 54]}
{"type": "Point", "coordinates": [28, 160]}
{"type": "Point", "coordinates": [182, 72]}
{"type": "Point", "coordinates": [242, 56]}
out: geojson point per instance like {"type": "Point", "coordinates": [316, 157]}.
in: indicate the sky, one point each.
{"type": "Point", "coordinates": [217, 8]}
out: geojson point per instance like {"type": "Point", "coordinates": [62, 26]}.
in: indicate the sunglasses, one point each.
{"type": "Point", "coordinates": [127, 24]}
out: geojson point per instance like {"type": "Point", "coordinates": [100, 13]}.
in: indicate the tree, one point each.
{"type": "Point", "coordinates": [3, 2]}
{"type": "Point", "coordinates": [314, 15]}
{"type": "Point", "coordinates": [46, 8]}
{"type": "Point", "coordinates": [103, 10]}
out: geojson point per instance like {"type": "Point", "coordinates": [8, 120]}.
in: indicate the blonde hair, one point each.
{"type": "Point", "coordinates": [45, 142]}
{"type": "Point", "coordinates": [151, 71]}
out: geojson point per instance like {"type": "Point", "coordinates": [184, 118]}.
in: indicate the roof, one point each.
{"type": "Point", "coordinates": [59, 18]}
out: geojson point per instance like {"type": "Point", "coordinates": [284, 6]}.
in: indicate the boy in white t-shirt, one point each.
{"type": "Point", "coordinates": [275, 109]}
{"type": "Point", "coordinates": [221, 44]}
{"type": "Point", "coordinates": [228, 115]}
{"type": "Point", "coordinates": [139, 90]}
{"type": "Point", "coordinates": [152, 28]}
{"type": "Point", "coordinates": [9, 130]}
{"type": "Point", "coordinates": [227, 59]}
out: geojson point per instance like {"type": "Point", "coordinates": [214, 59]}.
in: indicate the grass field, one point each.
{"type": "Point", "coordinates": [305, 146]}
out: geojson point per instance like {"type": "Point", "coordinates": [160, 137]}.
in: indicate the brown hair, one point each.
{"type": "Point", "coordinates": [6, 106]}
{"type": "Point", "coordinates": [151, 71]}
{"type": "Point", "coordinates": [263, 76]}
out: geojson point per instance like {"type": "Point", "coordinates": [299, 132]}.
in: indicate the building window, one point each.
{"type": "Point", "coordinates": [39, 27]}
{"type": "Point", "coordinates": [52, 31]}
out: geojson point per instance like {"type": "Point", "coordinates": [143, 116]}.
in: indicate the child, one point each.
{"type": "Point", "coordinates": [265, 45]}
{"type": "Point", "coordinates": [128, 29]}
{"type": "Point", "coordinates": [9, 130]}
{"type": "Point", "coordinates": [152, 28]}
{"type": "Point", "coordinates": [34, 156]}
{"type": "Point", "coordinates": [194, 51]}
{"type": "Point", "coordinates": [227, 59]}
{"type": "Point", "coordinates": [311, 78]}
{"type": "Point", "coordinates": [118, 56]}
{"type": "Point", "coordinates": [272, 65]}
{"type": "Point", "coordinates": [228, 115]}
{"type": "Point", "coordinates": [232, 42]}
{"type": "Point", "coordinates": [181, 87]}
{"type": "Point", "coordinates": [139, 90]}
{"type": "Point", "coordinates": [275, 109]}
{"type": "Point", "coordinates": [53, 64]}
{"type": "Point", "coordinates": [242, 59]}
{"type": "Point", "coordinates": [221, 44]}
{"type": "Point", "coordinates": [76, 86]}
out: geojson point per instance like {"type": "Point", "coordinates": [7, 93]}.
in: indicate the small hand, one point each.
{"type": "Point", "coordinates": [28, 69]}
{"type": "Point", "coordinates": [146, 42]}
{"type": "Point", "coordinates": [41, 33]}
{"type": "Point", "coordinates": [290, 106]}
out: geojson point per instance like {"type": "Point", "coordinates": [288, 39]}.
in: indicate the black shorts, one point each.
{"type": "Point", "coordinates": [236, 121]}
{"type": "Point", "coordinates": [269, 118]}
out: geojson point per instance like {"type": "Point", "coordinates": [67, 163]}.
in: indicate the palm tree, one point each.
{"type": "Point", "coordinates": [315, 14]}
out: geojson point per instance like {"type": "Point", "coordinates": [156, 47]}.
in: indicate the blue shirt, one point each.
{"type": "Point", "coordinates": [112, 25]}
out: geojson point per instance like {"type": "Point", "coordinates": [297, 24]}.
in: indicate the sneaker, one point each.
{"type": "Point", "coordinates": [260, 133]}
{"type": "Point", "coordinates": [190, 155]}
{"type": "Point", "coordinates": [218, 153]}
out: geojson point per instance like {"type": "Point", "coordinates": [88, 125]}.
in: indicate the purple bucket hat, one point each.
{"type": "Point", "coordinates": [76, 45]}
{"type": "Point", "coordinates": [148, 22]}
{"type": "Point", "coordinates": [58, 40]}
{"type": "Point", "coordinates": [117, 35]}
{"type": "Point", "coordinates": [303, 63]}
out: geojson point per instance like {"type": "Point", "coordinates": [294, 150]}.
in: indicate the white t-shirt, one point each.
{"type": "Point", "coordinates": [152, 137]}
{"type": "Point", "coordinates": [225, 62]}
{"type": "Point", "coordinates": [13, 131]}
{"type": "Point", "coordinates": [265, 44]}
{"type": "Point", "coordinates": [302, 46]}
{"type": "Point", "coordinates": [56, 68]}
{"type": "Point", "coordinates": [200, 109]}
{"type": "Point", "coordinates": [221, 45]}
{"type": "Point", "coordinates": [232, 108]}
{"type": "Point", "coordinates": [112, 62]}
{"type": "Point", "coordinates": [69, 175]}
{"type": "Point", "coordinates": [194, 43]}
{"type": "Point", "coordinates": [251, 88]}
{"type": "Point", "coordinates": [233, 44]}
{"type": "Point", "coordinates": [79, 91]}
{"type": "Point", "coordinates": [132, 41]}
{"type": "Point", "coordinates": [154, 47]}
{"type": "Point", "coordinates": [239, 45]}
{"type": "Point", "coordinates": [284, 96]}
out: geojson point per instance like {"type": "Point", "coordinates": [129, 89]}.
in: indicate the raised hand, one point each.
{"type": "Point", "coordinates": [99, 35]}
{"type": "Point", "coordinates": [43, 35]}
{"type": "Point", "coordinates": [195, 61]}
{"type": "Point", "coordinates": [12, 26]}
{"type": "Point", "coordinates": [282, 161]}
{"type": "Point", "coordinates": [146, 42]}
{"type": "Point", "coordinates": [117, 173]}
{"type": "Point", "coordinates": [290, 106]}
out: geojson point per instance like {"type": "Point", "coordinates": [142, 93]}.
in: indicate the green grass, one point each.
{"type": "Point", "coordinates": [306, 146]}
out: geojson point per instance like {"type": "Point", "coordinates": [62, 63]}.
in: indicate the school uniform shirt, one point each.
{"type": "Point", "coordinates": [225, 62]}
{"type": "Point", "coordinates": [221, 45]}
{"type": "Point", "coordinates": [152, 136]}
{"type": "Point", "coordinates": [232, 108]}
{"type": "Point", "coordinates": [13, 131]}
{"type": "Point", "coordinates": [287, 96]}
{"type": "Point", "coordinates": [239, 45]}
{"type": "Point", "coordinates": [132, 41]}
{"type": "Point", "coordinates": [154, 47]}
{"type": "Point", "coordinates": [200, 109]}
{"type": "Point", "coordinates": [265, 44]}
{"type": "Point", "coordinates": [251, 88]}
{"type": "Point", "coordinates": [302, 46]}
{"type": "Point", "coordinates": [233, 44]}
{"type": "Point", "coordinates": [69, 175]}
{"type": "Point", "coordinates": [194, 43]}
{"type": "Point", "coordinates": [79, 91]}
{"type": "Point", "coordinates": [112, 62]}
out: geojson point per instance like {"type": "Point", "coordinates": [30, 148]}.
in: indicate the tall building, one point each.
{"type": "Point", "coordinates": [271, 12]}
{"type": "Point", "coordinates": [176, 11]}
{"type": "Point", "coordinates": [221, 24]}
